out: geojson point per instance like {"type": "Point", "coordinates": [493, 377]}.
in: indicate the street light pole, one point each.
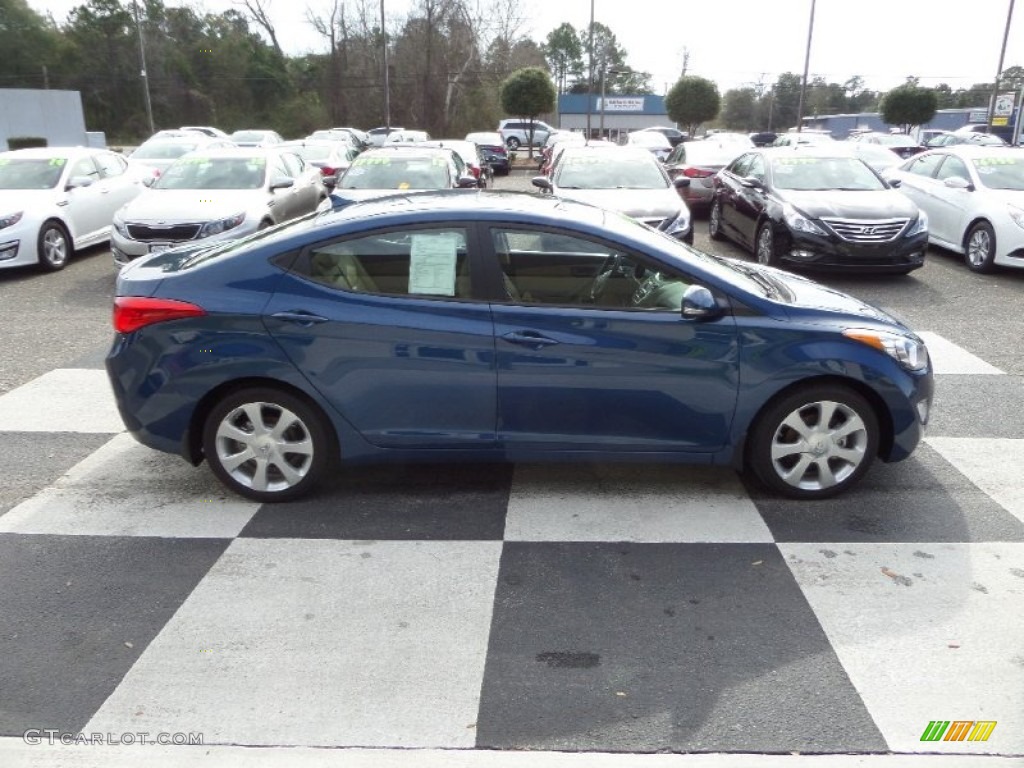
{"type": "Point", "coordinates": [807, 63]}
{"type": "Point", "coordinates": [142, 63]}
{"type": "Point", "coordinates": [999, 71]}
{"type": "Point", "coordinates": [590, 78]}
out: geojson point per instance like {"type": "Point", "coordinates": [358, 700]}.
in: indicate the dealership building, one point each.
{"type": "Point", "coordinates": [612, 116]}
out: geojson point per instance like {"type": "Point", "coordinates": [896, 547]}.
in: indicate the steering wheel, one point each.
{"type": "Point", "coordinates": [608, 268]}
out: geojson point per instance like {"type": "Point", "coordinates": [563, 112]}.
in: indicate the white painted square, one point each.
{"type": "Point", "coordinates": [925, 632]}
{"type": "Point", "coordinates": [631, 502]}
{"type": "Point", "coordinates": [321, 643]}
{"type": "Point", "coordinates": [63, 400]}
{"type": "Point", "coordinates": [995, 465]}
{"type": "Point", "coordinates": [947, 357]}
{"type": "Point", "coordinates": [127, 489]}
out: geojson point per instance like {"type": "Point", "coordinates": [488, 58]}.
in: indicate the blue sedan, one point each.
{"type": "Point", "coordinates": [477, 325]}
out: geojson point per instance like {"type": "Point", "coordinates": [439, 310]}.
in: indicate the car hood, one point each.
{"type": "Point", "coordinates": [636, 203]}
{"type": "Point", "coordinates": [166, 205]}
{"type": "Point", "coordinates": [806, 294]}
{"type": "Point", "coordinates": [14, 200]}
{"type": "Point", "coordinates": [839, 204]}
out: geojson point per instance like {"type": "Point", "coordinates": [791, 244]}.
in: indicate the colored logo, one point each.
{"type": "Point", "coordinates": [958, 730]}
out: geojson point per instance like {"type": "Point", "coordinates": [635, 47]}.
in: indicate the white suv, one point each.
{"type": "Point", "coordinates": [516, 132]}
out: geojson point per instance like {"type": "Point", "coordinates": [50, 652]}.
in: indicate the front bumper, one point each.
{"type": "Point", "coordinates": [18, 245]}
{"type": "Point", "coordinates": [800, 249]}
{"type": "Point", "coordinates": [126, 249]}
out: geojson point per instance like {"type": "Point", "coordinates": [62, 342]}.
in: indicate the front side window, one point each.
{"type": "Point", "coordinates": [741, 165]}
{"type": "Point", "coordinates": [953, 167]}
{"type": "Point", "coordinates": [542, 267]}
{"type": "Point", "coordinates": [110, 164]}
{"type": "Point", "coordinates": [85, 167]}
{"type": "Point", "coordinates": [421, 262]}
{"type": "Point", "coordinates": [925, 165]}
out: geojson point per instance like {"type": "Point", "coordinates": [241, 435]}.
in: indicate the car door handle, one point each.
{"type": "Point", "coordinates": [529, 339]}
{"type": "Point", "coordinates": [299, 317]}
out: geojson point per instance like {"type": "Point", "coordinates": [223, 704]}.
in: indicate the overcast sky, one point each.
{"type": "Point", "coordinates": [738, 42]}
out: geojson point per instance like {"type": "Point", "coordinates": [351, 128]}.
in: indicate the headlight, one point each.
{"type": "Point", "coordinates": [216, 227]}
{"type": "Point", "coordinates": [922, 224]}
{"type": "Point", "coordinates": [909, 352]}
{"type": "Point", "coordinates": [119, 226]}
{"type": "Point", "coordinates": [800, 223]}
{"type": "Point", "coordinates": [677, 224]}
{"type": "Point", "coordinates": [11, 220]}
{"type": "Point", "coordinates": [1017, 214]}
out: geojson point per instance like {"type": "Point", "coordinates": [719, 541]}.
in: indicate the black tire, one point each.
{"type": "Point", "coordinates": [53, 246]}
{"type": "Point", "coordinates": [715, 222]}
{"type": "Point", "coordinates": [265, 224]}
{"type": "Point", "coordinates": [512, 143]}
{"type": "Point", "coordinates": [980, 248]}
{"type": "Point", "coordinates": [764, 246]}
{"type": "Point", "coordinates": [281, 467]}
{"type": "Point", "coordinates": [830, 458]}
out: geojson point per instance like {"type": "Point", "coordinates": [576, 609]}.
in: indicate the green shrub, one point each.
{"type": "Point", "coordinates": [25, 142]}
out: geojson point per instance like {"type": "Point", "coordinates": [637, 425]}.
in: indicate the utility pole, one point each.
{"type": "Point", "coordinates": [999, 71]}
{"type": "Point", "coordinates": [807, 63]}
{"type": "Point", "coordinates": [142, 63]}
{"type": "Point", "coordinates": [590, 78]}
{"type": "Point", "coordinates": [387, 73]}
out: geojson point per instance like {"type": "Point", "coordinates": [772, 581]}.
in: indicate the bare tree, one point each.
{"type": "Point", "coordinates": [259, 12]}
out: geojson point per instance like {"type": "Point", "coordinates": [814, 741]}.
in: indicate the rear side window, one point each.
{"type": "Point", "coordinates": [416, 262]}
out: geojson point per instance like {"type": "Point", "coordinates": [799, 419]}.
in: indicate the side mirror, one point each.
{"type": "Point", "coordinates": [895, 183]}
{"type": "Point", "coordinates": [751, 183]}
{"type": "Point", "coordinates": [149, 181]}
{"type": "Point", "coordinates": [466, 182]}
{"type": "Point", "coordinates": [281, 182]}
{"type": "Point", "coordinates": [78, 181]}
{"type": "Point", "coordinates": [699, 304]}
{"type": "Point", "coordinates": [541, 182]}
{"type": "Point", "coordinates": [958, 182]}
{"type": "Point", "coordinates": [681, 182]}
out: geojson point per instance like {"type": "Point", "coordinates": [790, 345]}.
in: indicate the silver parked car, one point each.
{"type": "Point", "coordinates": [623, 179]}
{"type": "Point", "coordinates": [218, 195]}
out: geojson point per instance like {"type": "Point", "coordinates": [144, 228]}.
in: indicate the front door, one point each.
{"type": "Point", "coordinates": [601, 358]}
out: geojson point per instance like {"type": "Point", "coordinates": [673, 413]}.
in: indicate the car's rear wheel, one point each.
{"type": "Point", "coordinates": [814, 442]}
{"type": "Point", "coordinates": [53, 246]}
{"type": "Point", "coordinates": [980, 248]}
{"type": "Point", "coordinates": [512, 143]}
{"type": "Point", "coordinates": [267, 444]}
{"type": "Point", "coordinates": [715, 222]}
{"type": "Point", "coordinates": [764, 246]}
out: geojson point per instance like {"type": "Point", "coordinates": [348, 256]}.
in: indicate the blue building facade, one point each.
{"type": "Point", "coordinates": [614, 116]}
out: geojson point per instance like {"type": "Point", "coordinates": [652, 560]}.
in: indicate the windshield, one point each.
{"type": "Point", "coordinates": [1001, 172]}
{"type": "Point", "coordinates": [162, 151]}
{"type": "Point", "coordinates": [823, 173]}
{"type": "Point", "coordinates": [34, 173]}
{"type": "Point", "coordinates": [214, 173]}
{"type": "Point", "coordinates": [396, 173]}
{"type": "Point", "coordinates": [603, 170]}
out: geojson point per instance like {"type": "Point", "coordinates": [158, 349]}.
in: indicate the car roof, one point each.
{"type": "Point", "coordinates": [218, 152]}
{"type": "Point", "coordinates": [44, 153]}
{"type": "Point", "coordinates": [977, 150]}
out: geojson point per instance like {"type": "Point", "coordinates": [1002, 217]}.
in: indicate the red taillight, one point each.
{"type": "Point", "coordinates": [697, 173]}
{"type": "Point", "coordinates": [134, 312]}
{"type": "Point", "coordinates": [326, 170]}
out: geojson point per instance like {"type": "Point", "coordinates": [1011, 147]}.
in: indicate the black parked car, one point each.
{"type": "Point", "coordinates": [815, 208]}
{"type": "Point", "coordinates": [763, 138]}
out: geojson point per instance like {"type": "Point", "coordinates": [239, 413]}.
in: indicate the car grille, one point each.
{"type": "Point", "coordinates": [879, 231]}
{"type": "Point", "coordinates": [171, 233]}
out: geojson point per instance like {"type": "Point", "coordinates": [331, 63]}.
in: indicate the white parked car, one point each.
{"type": "Point", "coordinates": [652, 141]}
{"type": "Point", "coordinates": [627, 180]}
{"type": "Point", "coordinates": [158, 152]}
{"type": "Point", "coordinates": [217, 195]}
{"type": "Point", "coordinates": [974, 198]}
{"type": "Point", "coordinates": [54, 201]}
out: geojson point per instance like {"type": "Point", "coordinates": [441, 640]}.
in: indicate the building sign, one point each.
{"type": "Point", "coordinates": [621, 104]}
{"type": "Point", "coordinates": [1004, 105]}
{"type": "Point", "coordinates": [978, 116]}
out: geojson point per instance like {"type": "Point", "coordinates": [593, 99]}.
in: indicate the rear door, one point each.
{"type": "Point", "coordinates": [386, 327]}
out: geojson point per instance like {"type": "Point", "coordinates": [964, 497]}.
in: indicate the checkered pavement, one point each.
{"type": "Point", "coordinates": [556, 609]}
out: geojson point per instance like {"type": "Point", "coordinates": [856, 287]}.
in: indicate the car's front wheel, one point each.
{"type": "Point", "coordinates": [54, 246]}
{"type": "Point", "coordinates": [512, 143]}
{"type": "Point", "coordinates": [764, 246]}
{"type": "Point", "coordinates": [267, 444]}
{"type": "Point", "coordinates": [814, 442]}
{"type": "Point", "coordinates": [715, 222]}
{"type": "Point", "coordinates": [980, 248]}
